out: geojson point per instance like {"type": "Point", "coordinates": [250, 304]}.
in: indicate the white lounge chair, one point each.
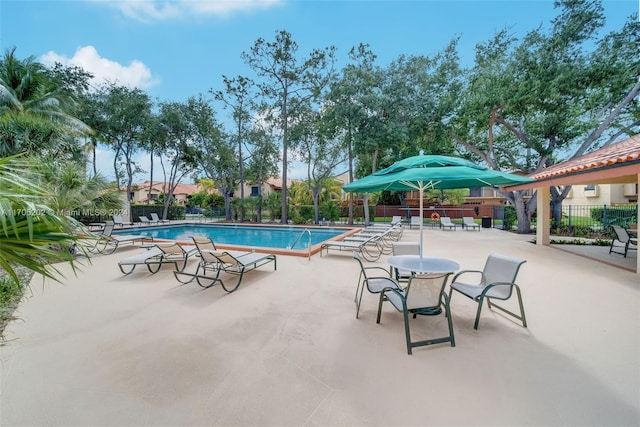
{"type": "Point", "coordinates": [145, 220]}
{"type": "Point", "coordinates": [119, 221]}
{"type": "Point", "coordinates": [106, 243]}
{"type": "Point", "coordinates": [415, 221]}
{"type": "Point", "coordinates": [154, 257]}
{"type": "Point", "coordinates": [371, 249]}
{"type": "Point", "coordinates": [469, 223]}
{"type": "Point", "coordinates": [218, 262]}
{"type": "Point", "coordinates": [207, 270]}
{"type": "Point", "coordinates": [155, 218]}
{"type": "Point", "coordinates": [445, 223]}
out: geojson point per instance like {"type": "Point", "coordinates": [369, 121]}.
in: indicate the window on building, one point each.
{"type": "Point", "coordinates": [255, 190]}
{"type": "Point", "coordinates": [475, 192]}
{"type": "Point", "coordinates": [589, 187]}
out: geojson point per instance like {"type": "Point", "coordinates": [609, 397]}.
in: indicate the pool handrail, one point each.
{"type": "Point", "coordinates": [306, 230]}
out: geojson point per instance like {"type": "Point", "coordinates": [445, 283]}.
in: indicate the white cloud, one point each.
{"type": "Point", "coordinates": [135, 74]}
{"type": "Point", "coordinates": [161, 10]}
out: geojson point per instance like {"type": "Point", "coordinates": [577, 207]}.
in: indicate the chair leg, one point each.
{"type": "Point", "coordinates": [475, 325]}
{"type": "Point", "coordinates": [407, 332]}
{"type": "Point", "coordinates": [237, 284]}
{"type": "Point", "coordinates": [447, 312]}
{"type": "Point", "coordinates": [358, 298]}
{"type": "Point", "coordinates": [382, 299]}
{"type": "Point", "coordinates": [521, 317]}
{"type": "Point", "coordinates": [524, 318]}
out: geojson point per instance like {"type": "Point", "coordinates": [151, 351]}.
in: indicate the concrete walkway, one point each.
{"type": "Point", "coordinates": [104, 349]}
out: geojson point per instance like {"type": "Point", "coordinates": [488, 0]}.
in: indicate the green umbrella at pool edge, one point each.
{"type": "Point", "coordinates": [427, 172]}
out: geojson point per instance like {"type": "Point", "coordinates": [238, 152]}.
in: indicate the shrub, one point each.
{"type": "Point", "coordinates": [330, 211]}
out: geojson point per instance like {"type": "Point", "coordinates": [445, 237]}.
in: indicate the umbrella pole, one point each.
{"type": "Point", "coordinates": [421, 217]}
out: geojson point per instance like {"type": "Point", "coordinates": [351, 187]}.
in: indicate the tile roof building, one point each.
{"type": "Point", "coordinates": [617, 163]}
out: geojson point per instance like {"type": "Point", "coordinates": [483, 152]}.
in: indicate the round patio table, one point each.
{"type": "Point", "coordinates": [424, 264]}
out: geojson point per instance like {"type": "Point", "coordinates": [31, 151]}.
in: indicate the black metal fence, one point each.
{"type": "Point", "coordinates": [595, 217]}
{"type": "Point", "coordinates": [599, 216]}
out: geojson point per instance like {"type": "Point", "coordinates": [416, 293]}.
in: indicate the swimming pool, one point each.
{"type": "Point", "coordinates": [276, 237]}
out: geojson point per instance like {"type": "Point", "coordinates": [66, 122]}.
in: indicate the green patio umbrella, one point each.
{"type": "Point", "coordinates": [426, 172]}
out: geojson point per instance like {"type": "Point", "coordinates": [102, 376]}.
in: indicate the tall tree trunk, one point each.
{"type": "Point", "coordinates": [150, 175]}
{"type": "Point", "coordinates": [351, 195]}
{"type": "Point", "coordinates": [285, 148]}
{"type": "Point", "coordinates": [94, 143]}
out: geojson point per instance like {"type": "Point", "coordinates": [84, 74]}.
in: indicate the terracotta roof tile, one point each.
{"type": "Point", "coordinates": [616, 154]}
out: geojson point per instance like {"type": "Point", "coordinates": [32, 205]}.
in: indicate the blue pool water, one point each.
{"type": "Point", "coordinates": [268, 237]}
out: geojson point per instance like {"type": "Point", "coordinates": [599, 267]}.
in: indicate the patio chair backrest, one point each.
{"type": "Point", "coordinates": [503, 269]}
{"type": "Point", "coordinates": [406, 248]}
{"type": "Point", "coordinates": [468, 220]}
{"type": "Point", "coordinates": [425, 291]}
{"type": "Point", "coordinates": [363, 271]}
{"type": "Point", "coordinates": [621, 233]}
{"type": "Point", "coordinates": [155, 217]}
{"type": "Point", "coordinates": [108, 228]}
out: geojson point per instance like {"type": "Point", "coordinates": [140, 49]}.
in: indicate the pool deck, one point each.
{"type": "Point", "coordinates": [285, 349]}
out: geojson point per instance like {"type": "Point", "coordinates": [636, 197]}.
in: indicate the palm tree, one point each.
{"type": "Point", "coordinates": [31, 234]}
{"type": "Point", "coordinates": [72, 192]}
{"type": "Point", "coordinates": [331, 190]}
{"type": "Point", "coordinates": [35, 109]}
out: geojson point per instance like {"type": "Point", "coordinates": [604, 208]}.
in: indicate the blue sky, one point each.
{"type": "Point", "coordinates": [176, 49]}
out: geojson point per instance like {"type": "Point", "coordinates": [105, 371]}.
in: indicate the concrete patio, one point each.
{"type": "Point", "coordinates": [104, 349]}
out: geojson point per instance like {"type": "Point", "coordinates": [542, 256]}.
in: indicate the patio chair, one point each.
{"type": "Point", "coordinates": [106, 243]}
{"type": "Point", "coordinates": [621, 239]}
{"type": "Point", "coordinates": [404, 248]}
{"type": "Point", "coordinates": [469, 224]}
{"type": "Point", "coordinates": [374, 283]}
{"type": "Point", "coordinates": [119, 221]}
{"type": "Point", "coordinates": [445, 223]}
{"type": "Point", "coordinates": [156, 256]}
{"type": "Point", "coordinates": [424, 296]}
{"type": "Point", "coordinates": [495, 281]}
{"type": "Point", "coordinates": [370, 248]}
{"type": "Point", "coordinates": [155, 218]}
{"type": "Point", "coordinates": [415, 221]}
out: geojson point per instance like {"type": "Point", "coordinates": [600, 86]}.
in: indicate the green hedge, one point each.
{"type": "Point", "coordinates": [620, 215]}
